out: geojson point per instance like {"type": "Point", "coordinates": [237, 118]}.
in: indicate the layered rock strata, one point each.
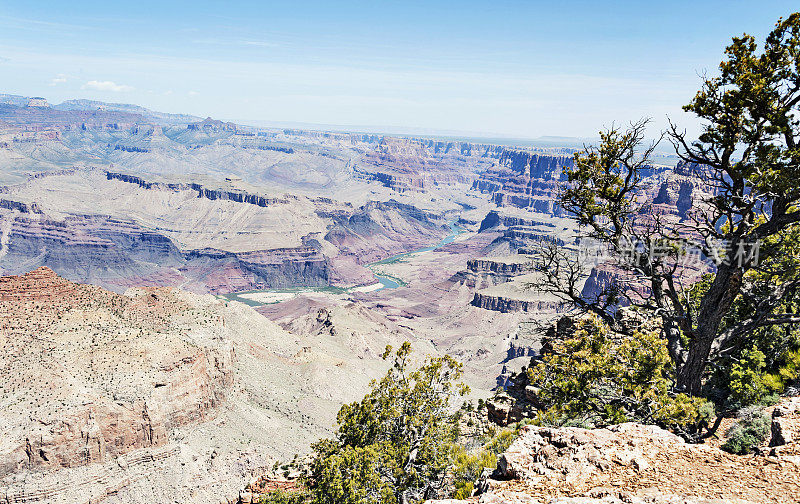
{"type": "Point", "coordinates": [96, 390]}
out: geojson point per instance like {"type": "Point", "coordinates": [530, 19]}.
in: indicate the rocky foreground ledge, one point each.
{"type": "Point", "coordinates": [638, 464]}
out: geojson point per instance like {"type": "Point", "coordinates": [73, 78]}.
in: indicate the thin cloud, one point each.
{"type": "Point", "coordinates": [59, 79]}
{"type": "Point", "coordinates": [259, 43]}
{"type": "Point", "coordinates": [30, 23]}
{"type": "Point", "coordinates": [107, 86]}
{"type": "Point", "coordinates": [235, 42]}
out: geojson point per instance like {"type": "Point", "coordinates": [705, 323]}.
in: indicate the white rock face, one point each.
{"type": "Point", "coordinates": [580, 453]}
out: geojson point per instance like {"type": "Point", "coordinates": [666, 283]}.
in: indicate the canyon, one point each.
{"type": "Point", "coordinates": [186, 301]}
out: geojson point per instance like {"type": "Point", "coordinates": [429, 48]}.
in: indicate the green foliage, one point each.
{"type": "Point", "coordinates": [769, 359]}
{"type": "Point", "coordinates": [747, 378]}
{"type": "Point", "coordinates": [502, 440]}
{"type": "Point", "coordinates": [354, 474]}
{"type": "Point", "coordinates": [394, 445]}
{"type": "Point", "coordinates": [748, 156]}
{"type": "Point", "coordinates": [788, 372]}
{"type": "Point", "coordinates": [767, 367]}
{"type": "Point", "coordinates": [749, 431]}
{"type": "Point", "coordinates": [467, 467]}
{"type": "Point", "coordinates": [281, 497]}
{"type": "Point", "coordinates": [598, 190]}
{"type": "Point", "coordinates": [596, 378]}
{"type": "Point", "coordinates": [752, 103]}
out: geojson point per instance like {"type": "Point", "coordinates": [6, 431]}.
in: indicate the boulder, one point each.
{"type": "Point", "coordinates": [786, 422]}
{"type": "Point", "coordinates": [502, 411]}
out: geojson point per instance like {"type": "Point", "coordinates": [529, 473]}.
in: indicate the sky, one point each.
{"type": "Point", "coordinates": [521, 69]}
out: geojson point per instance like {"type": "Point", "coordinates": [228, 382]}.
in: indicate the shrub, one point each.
{"type": "Point", "coordinates": [749, 431]}
{"type": "Point", "coordinates": [394, 445]}
{"type": "Point", "coordinates": [467, 467]}
{"type": "Point", "coordinates": [754, 376]}
{"type": "Point", "coordinates": [746, 378]}
{"type": "Point", "coordinates": [502, 440]}
{"type": "Point", "coordinates": [281, 497]}
{"type": "Point", "coordinates": [787, 373]}
{"type": "Point", "coordinates": [594, 378]}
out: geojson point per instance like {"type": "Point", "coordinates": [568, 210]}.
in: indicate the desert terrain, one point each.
{"type": "Point", "coordinates": [187, 301]}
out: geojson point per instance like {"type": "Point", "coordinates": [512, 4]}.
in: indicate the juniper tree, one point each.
{"type": "Point", "coordinates": [748, 158]}
{"type": "Point", "coordinates": [393, 446]}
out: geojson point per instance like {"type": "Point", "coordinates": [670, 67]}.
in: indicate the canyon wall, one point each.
{"type": "Point", "coordinates": [509, 304]}
{"type": "Point", "coordinates": [524, 179]}
{"type": "Point", "coordinates": [120, 254]}
{"type": "Point", "coordinates": [324, 241]}
{"type": "Point", "coordinates": [71, 424]}
{"type": "Point", "coordinates": [416, 164]}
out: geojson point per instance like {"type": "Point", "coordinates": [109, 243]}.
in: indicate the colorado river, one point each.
{"type": "Point", "coordinates": [393, 283]}
{"type": "Point", "coordinates": [270, 296]}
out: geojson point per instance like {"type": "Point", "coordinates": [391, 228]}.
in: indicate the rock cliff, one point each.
{"type": "Point", "coordinates": [158, 395]}
{"type": "Point", "coordinates": [210, 125]}
{"type": "Point", "coordinates": [403, 164]}
{"type": "Point", "coordinates": [206, 238]}
{"type": "Point", "coordinates": [97, 391]}
{"type": "Point", "coordinates": [524, 179]}
{"type": "Point", "coordinates": [509, 304]}
{"type": "Point", "coordinates": [497, 267]}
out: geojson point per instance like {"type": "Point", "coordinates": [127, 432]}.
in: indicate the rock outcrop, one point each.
{"type": "Point", "coordinates": [82, 419]}
{"type": "Point", "coordinates": [205, 238]}
{"type": "Point", "coordinates": [631, 464]}
{"type": "Point", "coordinates": [202, 191]}
{"type": "Point", "coordinates": [415, 165]}
{"type": "Point", "coordinates": [482, 272]}
{"type": "Point", "coordinates": [521, 235]}
{"type": "Point", "coordinates": [508, 304]}
{"type": "Point", "coordinates": [210, 125]}
{"type": "Point", "coordinates": [500, 268]}
{"type": "Point", "coordinates": [40, 285]}
{"type": "Point", "coordinates": [524, 179]}
{"type": "Point", "coordinates": [43, 116]}
{"type": "Point", "coordinates": [20, 206]}
{"type": "Point", "coordinates": [785, 424]}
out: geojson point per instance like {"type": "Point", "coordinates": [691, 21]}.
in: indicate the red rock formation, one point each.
{"type": "Point", "coordinates": [509, 305]}
{"type": "Point", "coordinates": [41, 285]}
{"type": "Point", "coordinates": [94, 374]}
{"type": "Point", "coordinates": [405, 164]}
{"type": "Point", "coordinates": [524, 179]}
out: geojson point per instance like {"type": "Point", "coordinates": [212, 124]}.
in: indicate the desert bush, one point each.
{"type": "Point", "coordinates": [281, 497]}
{"type": "Point", "coordinates": [749, 431]}
{"type": "Point", "coordinates": [746, 378]}
{"type": "Point", "coordinates": [467, 468]}
{"type": "Point", "coordinates": [501, 440]}
{"type": "Point", "coordinates": [751, 375]}
{"type": "Point", "coordinates": [594, 377]}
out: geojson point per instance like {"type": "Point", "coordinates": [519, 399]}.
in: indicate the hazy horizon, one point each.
{"type": "Point", "coordinates": [518, 70]}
